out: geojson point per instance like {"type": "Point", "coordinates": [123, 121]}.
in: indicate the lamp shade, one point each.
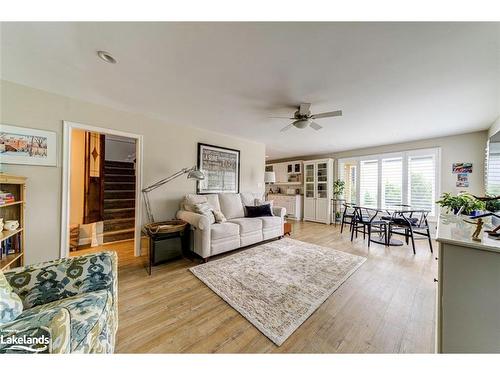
{"type": "Point", "coordinates": [196, 174]}
{"type": "Point", "coordinates": [269, 177]}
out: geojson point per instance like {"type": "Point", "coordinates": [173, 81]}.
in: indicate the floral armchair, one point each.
{"type": "Point", "coordinates": [72, 303]}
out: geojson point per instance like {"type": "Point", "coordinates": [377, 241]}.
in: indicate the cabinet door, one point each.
{"type": "Point", "coordinates": [322, 210]}
{"type": "Point", "coordinates": [322, 180]}
{"type": "Point", "coordinates": [309, 209]}
{"type": "Point", "coordinates": [291, 206]}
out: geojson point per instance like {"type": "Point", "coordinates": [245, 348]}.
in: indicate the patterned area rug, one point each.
{"type": "Point", "coordinates": [278, 285]}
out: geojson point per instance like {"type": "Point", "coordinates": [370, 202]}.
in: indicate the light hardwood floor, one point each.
{"type": "Point", "coordinates": [387, 306]}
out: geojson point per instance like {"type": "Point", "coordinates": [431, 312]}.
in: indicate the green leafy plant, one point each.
{"type": "Point", "coordinates": [463, 200]}
{"type": "Point", "coordinates": [338, 187]}
{"type": "Point", "coordinates": [493, 205]}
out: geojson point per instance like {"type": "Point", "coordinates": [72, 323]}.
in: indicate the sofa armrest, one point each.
{"type": "Point", "coordinates": [42, 283]}
{"type": "Point", "coordinates": [279, 211]}
{"type": "Point", "coordinates": [196, 220]}
{"type": "Point", "coordinates": [48, 332]}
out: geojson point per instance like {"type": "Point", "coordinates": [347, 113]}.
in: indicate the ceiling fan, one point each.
{"type": "Point", "coordinates": [303, 118]}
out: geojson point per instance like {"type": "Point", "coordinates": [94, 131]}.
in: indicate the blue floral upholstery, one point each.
{"type": "Point", "coordinates": [72, 300]}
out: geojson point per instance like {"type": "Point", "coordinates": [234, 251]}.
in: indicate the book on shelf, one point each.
{"type": "Point", "coordinates": [11, 245]}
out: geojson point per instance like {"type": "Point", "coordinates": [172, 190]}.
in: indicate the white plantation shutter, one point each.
{"type": "Point", "coordinates": [392, 181]}
{"type": "Point", "coordinates": [493, 174]}
{"type": "Point", "coordinates": [422, 182]}
{"type": "Point", "coordinates": [407, 177]}
{"type": "Point", "coordinates": [368, 183]}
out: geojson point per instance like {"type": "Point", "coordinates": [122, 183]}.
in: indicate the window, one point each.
{"type": "Point", "coordinates": [421, 182]}
{"type": "Point", "coordinates": [368, 183]}
{"type": "Point", "coordinates": [348, 174]}
{"type": "Point", "coordinates": [409, 178]}
{"type": "Point", "coordinates": [493, 169]}
{"type": "Point", "coordinates": [392, 182]}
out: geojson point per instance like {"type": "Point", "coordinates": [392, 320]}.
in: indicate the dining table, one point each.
{"type": "Point", "coordinates": [389, 214]}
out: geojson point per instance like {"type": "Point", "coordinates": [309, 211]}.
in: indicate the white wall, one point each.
{"type": "Point", "coordinates": [468, 147]}
{"type": "Point", "coordinates": [167, 148]}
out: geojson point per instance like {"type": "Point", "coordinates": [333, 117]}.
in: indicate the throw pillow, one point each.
{"type": "Point", "coordinates": [191, 199]}
{"type": "Point", "coordinates": [260, 202]}
{"type": "Point", "coordinates": [219, 216]}
{"type": "Point", "coordinates": [204, 209]}
{"type": "Point", "coordinates": [257, 211]}
{"type": "Point", "coordinates": [11, 305]}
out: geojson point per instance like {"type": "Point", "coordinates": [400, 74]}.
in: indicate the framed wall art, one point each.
{"type": "Point", "coordinates": [27, 146]}
{"type": "Point", "coordinates": [221, 167]}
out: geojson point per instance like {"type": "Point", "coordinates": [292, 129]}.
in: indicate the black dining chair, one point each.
{"type": "Point", "coordinates": [409, 224]}
{"type": "Point", "coordinates": [367, 221]}
{"type": "Point", "coordinates": [347, 216]}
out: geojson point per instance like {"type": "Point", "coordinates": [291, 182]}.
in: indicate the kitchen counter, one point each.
{"type": "Point", "coordinates": [454, 230]}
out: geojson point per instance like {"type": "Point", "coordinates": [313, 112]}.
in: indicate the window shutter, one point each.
{"type": "Point", "coordinates": [421, 182]}
{"type": "Point", "coordinates": [493, 174]}
{"type": "Point", "coordinates": [392, 182]}
{"type": "Point", "coordinates": [368, 183]}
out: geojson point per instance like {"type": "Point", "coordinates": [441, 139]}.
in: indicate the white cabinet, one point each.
{"type": "Point", "coordinates": [292, 204]}
{"type": "Point", "coordinates": [468, 293]}
{"type": "Point", "coordinates": [318, 184]}
{"type": "Point", "coordinates": [287, 173]}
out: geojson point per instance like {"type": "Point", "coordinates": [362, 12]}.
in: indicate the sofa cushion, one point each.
{"type": "Point", "coordinates": [248, 224]}
{"type": "Point", "coordinates": [270, 222]}
{"type": "Point", "coordinates": [224, 230]}
{"type": "Point", "coordinates": [10, 303]}
{"type": "Point", "coordinates": [231, 205]}
{"type": "Point", "coordinates": [89, 313]}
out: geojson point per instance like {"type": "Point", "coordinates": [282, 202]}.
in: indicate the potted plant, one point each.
{"type": "Point", "coordinates": [338, 188]}
{"type": "Point", "coordinates": [464, 201]}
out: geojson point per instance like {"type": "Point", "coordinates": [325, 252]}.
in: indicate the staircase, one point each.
{"type": "Point", "coordinates": [119, 201]}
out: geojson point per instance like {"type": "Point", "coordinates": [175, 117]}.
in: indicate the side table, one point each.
{"type": "Point", "coordinates": [167, 240]}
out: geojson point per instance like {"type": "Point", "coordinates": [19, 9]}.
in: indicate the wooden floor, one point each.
{"type": "Point", "coordinates": [387, 306]}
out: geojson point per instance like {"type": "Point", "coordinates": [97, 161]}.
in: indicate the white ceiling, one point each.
{"type": "Point", "coordinates": [394, 82]}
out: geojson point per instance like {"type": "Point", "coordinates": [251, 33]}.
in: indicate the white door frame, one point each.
{"type": "Point", "coordinates": [68, 127]}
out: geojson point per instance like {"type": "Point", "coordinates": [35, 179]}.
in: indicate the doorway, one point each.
{"type": "Point", "coordinates": [101, 190]}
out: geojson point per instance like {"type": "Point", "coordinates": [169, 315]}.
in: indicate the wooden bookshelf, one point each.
{"type": "Point", "coordinates": [13, 211]}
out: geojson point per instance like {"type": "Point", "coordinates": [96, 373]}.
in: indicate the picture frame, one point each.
{"type": "Point", "coordinates": [221, 167]}
{"type": "Point", "coordinates": [19, 145]}
{"type": "Point", "coordinates": [461, 168]}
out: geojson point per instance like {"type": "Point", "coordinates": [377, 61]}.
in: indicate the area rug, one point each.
{"type": "Point", "coordinates": [278, 285]}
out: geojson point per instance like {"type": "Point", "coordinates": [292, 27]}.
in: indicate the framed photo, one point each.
{"type": "Point", "coordinates": [461, 168]}
{"type": "Point", "coordinates": [221, 167]}
{"type": "Point", "coordinates": [27, 146]}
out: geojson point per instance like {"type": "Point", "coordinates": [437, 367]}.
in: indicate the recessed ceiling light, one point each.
{"type": "Point", "coordinates": [106, 56]}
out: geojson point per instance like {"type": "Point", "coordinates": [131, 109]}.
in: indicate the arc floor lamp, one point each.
{"type": "Point", "coordinates": [193, 173]}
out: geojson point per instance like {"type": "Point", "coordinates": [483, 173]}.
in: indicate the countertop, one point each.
{"type": "Point", "coordinates": [454, 230]}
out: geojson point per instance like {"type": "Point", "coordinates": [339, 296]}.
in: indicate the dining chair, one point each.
{"type": "Point", "coordinates": [347, 216]}
{"type": "Point", "coordinates": [367, 220]}
{"type": "Point", "coordinates": [412, 223]}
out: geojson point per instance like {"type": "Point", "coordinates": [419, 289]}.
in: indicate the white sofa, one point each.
{"type": "Point", "coordinates": [212, 238]}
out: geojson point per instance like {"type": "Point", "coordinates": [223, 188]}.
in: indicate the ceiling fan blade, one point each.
{"type": "Point", "coordinates": [288, 118]}
{"type": "Point", "coordinates": [327, 114]}
{"type": "Point", "coordinates": [315, 126]}
{"type": "Point", "coordinates": [304, 108]}
{"type": "Point", "coordinates": [286, 127]}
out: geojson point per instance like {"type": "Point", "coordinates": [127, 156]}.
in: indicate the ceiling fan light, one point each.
{"type": "Point", "coordinates": [301, 124]}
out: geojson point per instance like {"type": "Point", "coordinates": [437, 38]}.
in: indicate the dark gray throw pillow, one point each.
{"type": "Point", "coordinates": [257, 211]}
